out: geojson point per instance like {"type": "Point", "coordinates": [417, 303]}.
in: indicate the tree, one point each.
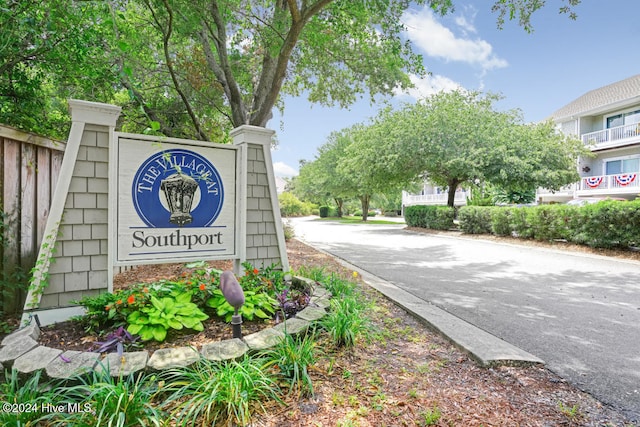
{"type": "Point", "coordinates": [321, 179]}
{"type": "Point", "coordinates": [191, 67]}
{"type": "Point", "coordinates": [50, 51]}
{"type": "Point", "coordinates": [457, 138]}
{"type": "Point", "coordinates": [368, 167]}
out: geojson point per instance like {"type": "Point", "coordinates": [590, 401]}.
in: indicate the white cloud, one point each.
{"type": "Point", "coordinates": [466, 25]}
{"type": "Point", "coordinates": [438, 41]}
{"type": "Point", "coordinates": [429, 85]}
{"type": "Point", "coordinates": [284, 170]}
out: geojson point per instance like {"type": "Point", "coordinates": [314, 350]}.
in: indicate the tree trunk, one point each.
{"type": "Point", "coordinates": [451, 195]}
{"type": "Point", "coordinates": [339, 204]}
{"type": "Point", "coordinates": [364, 202]}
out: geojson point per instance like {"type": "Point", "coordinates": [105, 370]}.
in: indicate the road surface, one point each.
{"type": "Point", "coordinates": [580, 313]}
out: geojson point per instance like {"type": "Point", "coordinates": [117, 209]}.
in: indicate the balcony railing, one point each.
{"type": "Point", "coordinates": [610, 182]}
{"type": "Point", "coordinates": [433, 199]}
{"type": "Point", "coordinates": [612, 135]}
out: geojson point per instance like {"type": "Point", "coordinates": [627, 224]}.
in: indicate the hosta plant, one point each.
{"type": "Point", "coordinates": [256, 304]}
{"type": "Point", "coordinates": [171, 312]}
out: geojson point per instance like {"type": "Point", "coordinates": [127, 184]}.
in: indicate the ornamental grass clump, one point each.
{"type": "Point", "coordinates": [210, 392]}
{"type": "Point", "coordinates": [346, 321]}
{"type": "Point", "coordinates": [103, 400]}
{"type": "Point", "coordinates": [292, 358]}
{"type": "Point", "coordinates": [23, 400]}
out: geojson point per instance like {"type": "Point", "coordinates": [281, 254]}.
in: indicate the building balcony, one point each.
{"type": "Point", "coordinates": [625, 185]}
{"type": "Point", "coordinates": [612, 137]}
{"type": "Point", "coordinates": [433, 199]}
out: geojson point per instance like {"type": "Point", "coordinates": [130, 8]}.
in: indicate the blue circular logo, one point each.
{"type": "Point", "coordinates": [177, 188]}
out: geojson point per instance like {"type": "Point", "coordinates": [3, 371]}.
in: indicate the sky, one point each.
{"type": "Point", "coordinates": [537, 72]}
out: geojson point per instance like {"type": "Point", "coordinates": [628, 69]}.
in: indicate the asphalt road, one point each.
{"type": "Point", "coordinates": [579, 313]}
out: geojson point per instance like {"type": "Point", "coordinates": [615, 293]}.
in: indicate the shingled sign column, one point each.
{"type": "Point", "coordinates": [263, 242]}
{"type": "Point", "coordinates": [72, 261]}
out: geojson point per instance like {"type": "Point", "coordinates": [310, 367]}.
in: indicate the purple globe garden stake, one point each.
{"type": "Point", "coordinates": [234, 295]}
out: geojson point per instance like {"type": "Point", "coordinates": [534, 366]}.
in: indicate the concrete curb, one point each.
{"type": "Point", "coordinates": [487, 349]}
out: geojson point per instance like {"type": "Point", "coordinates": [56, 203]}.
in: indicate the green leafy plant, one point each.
{"type": "Point", "coordinates": [346, 321]}
{"type": "Point", "coordinates": [23, 400]}
{"type": "Point", "coordinates": [39, 279]}
{"type": "Point", "coordinates": [571, 412]}
{"type": "Point", "coordinates": [293, 356]}
{"type": "Point", "coordinates": [228, 391]}
{"type": "Point", "coordinates": [270, 279]}
{"type": "Point", "coordinates": [172, 312]}
{"type": "Point", "coordinates": [338, 286]}
{"type": "Point", "coordinates": [256, 304]}
{"type": "Point", "coordinates": [103, 400]}
{"type": "Point", "coordinates": [430, 416]}
{"type": "Point", "coordinates": [101, 311]}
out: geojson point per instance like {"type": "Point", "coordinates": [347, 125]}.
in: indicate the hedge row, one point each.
{"type": "Point", "coordinates": [608, 224]}
{"type": "Point", "coordinates": [434, 217]}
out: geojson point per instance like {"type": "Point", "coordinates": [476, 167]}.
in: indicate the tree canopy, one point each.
{"type": "Point", "coordinates": [194, 68]}
{"type": "Point", "coordinates": [458, 138]}
{"type": "Point", "coordinates": [451, 139]}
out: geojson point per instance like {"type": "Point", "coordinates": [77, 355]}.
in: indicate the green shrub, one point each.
{"type": "Point", "coordinates": [608, 224]}
{"type": "Point", "coordinates": [475, 219]}
{"type": "Point", "coordinates": [289, 231]}
{"type": "Point", "coordinates": [290, 205]}
{"type": "Point", "coordinates": [549, 222]}
{"type": "Point", "coordinates": [369, 214]}
{"type": "Point", "coordinates": [433, 217]}
{"type": "Point", "coordinates": [520, 222]}
{"type": "Point", "coordinates": [501, 221]}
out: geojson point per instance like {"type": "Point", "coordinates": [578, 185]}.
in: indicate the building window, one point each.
{"type": "Point", "coordinates": [623, 119]}
{"type": "Point", "coordinates": [615, 167]}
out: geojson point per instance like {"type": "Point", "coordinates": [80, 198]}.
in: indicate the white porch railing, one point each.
{"type": "Point", "coordinates": [567, 190]}
{"type": "Point", "coordinates": [609, 182]}
{"type": "Point", "coordinates": [606, 136]}
{"type": "Point", "coordinates": [433, 199]}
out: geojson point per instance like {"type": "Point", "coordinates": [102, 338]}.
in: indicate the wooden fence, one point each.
{"type": "Point", "coordinates": [29, 168]}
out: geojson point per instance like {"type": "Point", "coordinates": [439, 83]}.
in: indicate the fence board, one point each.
{"type": "Point", "coordinates": [29, 168]}
{"type": "Point", "coordinates": [27, 205]}
{"type": "Point", "coordinates": [43, 190]}
{"type": "Point", "coordinates": [11, 237]}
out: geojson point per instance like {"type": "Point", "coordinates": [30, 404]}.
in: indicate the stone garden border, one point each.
{"type": "Point", "coordinates": [20, 349]}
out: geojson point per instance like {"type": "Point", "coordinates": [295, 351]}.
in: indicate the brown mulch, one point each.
{"type": "Point", "coordinates": [405, 375]}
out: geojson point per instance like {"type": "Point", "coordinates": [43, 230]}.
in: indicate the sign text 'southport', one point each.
{"type": "Point", "coordinates": [176, 239]}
